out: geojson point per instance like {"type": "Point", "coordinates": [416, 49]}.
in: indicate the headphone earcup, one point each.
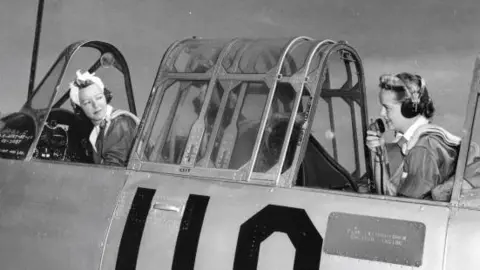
{"type": "Point", "coordinates": [408, 109]}
{"type": "Point", "coordinates": [108, 95]}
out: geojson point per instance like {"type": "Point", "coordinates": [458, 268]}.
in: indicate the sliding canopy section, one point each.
{"type": "Point", "coordinates": [240, 109]}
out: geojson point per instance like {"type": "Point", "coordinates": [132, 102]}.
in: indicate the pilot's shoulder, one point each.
{"type": "Point", "coordinates": [432, 132]}
{"type": "Point", "coordinates": [122, 121]}
{"type": "Point", "coordinates": [434, 141]}
{"type": "Point", "coordinates": [120, 115]}
{"type": "Point", "coordinates": [433, 137]}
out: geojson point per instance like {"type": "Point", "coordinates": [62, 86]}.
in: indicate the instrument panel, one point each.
{"type": "Point", "coordinates": [53, 142]}
{"type": "Point", "coordinates": [64, 137]}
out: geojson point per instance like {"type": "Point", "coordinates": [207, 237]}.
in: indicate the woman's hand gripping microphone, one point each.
{"type": "Point", "coordinates": [376, 144]}
{"type": "Point", "coordinates": [375, 141]}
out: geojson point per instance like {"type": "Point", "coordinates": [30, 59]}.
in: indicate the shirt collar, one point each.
{"type": "Point", "coordinates": [419, 122]}
{"type": "Point", "coordinates": [96, 129]}
{"type": "Point", "coordinates": [108, 114]}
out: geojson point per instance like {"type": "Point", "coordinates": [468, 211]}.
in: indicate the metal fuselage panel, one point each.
{"type": "Point", "coordinates": [237, 217]}
{"type": "Point", "coordinates": [462, 250]}
{"type": "Point", "coordinates": [55, 216]}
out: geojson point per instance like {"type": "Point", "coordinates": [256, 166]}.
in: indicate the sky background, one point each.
{"type": "Point", "coordinates": [436, 39]}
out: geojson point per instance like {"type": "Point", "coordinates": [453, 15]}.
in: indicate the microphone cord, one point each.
{"type": "Point", "coordinates": [387, 167]}
{"type": "Point", "coordinates": [379, 127]}
{"type": "Point", "coordinates": [381, 173]}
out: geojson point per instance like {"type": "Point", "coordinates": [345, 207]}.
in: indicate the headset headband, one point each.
{"type": "Point", "coordinates": [411, 88]}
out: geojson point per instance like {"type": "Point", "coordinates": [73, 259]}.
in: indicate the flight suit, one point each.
{"type": "Point", "coordinates": [430, 158]}
{"type": "Point", "coordinates": [114, 138]}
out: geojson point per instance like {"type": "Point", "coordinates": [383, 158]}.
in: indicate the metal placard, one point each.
{"type": "Point", "coordinates": [375, 238]}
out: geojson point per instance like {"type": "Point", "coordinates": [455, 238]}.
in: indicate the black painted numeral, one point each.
{"type": "Point", "coordinates": [189, 233]}
{"type": "Point", "coordinates": [275, 218]}
{"type": "Point", "coordinates": [133, 231]}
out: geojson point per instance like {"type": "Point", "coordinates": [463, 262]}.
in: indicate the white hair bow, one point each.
{"type": "Point", "coordinates": [81, 79]}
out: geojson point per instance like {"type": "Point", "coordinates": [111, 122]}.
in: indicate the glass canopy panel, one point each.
{"type": "Point", "coordinates": [211, 115]}
{"type": "Point", "coordinates": [231, 146]}
{"type": "Point", "coordinates": [470, 187]}
{"type": "Point", "coordinates": [166, 106]}
{"type": "Point", "coordinates": [254, 56]}
{"type": "Point", "coordinates": [337, 73]}
{"type": "Point", "coordinates": [197, 55]}
{"type": "Point", "coordinates": [43, 95]}
{"type": "Point", "coordinates": [238, 129]}
{"type": "Point", "coordinates": [82, 59]}
{"type": "Point", "coordinates": [178, 112]}
{"type": "Point", "coordinates": [232, 58]}
{"type": "Point", "coordinates": [248, 123]}
{"type": "Point", "coordinates": [344, 133]}
{"type": "Point", "coordinates": [276, 128]}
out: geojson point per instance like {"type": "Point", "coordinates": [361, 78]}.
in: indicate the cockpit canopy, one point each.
{"type": "Point", "coordinates": [243, 109]}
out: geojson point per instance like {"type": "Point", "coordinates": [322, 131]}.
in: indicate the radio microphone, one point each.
{"type": "Point", "coordinates": [378, 126]}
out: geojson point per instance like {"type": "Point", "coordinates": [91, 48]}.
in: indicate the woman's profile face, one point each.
{"type": "Point", "coordinates": [391, 111]}
{"type": "Point", "coordinates": [93, 102]}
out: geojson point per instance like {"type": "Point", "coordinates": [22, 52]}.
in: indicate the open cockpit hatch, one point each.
{"type": "Point", "coordinates": [46, 126]}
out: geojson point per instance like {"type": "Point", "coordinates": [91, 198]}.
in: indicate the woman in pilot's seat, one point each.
{"type": "Point", "coordinates": [114, 129]}
{"type": "Point", "coordinates": [429, 151]}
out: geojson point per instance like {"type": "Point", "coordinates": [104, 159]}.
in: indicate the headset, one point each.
{"type": "Point", "coordinates": [412, 106]}
{"type": "Point", "coordinates": [415, 92]}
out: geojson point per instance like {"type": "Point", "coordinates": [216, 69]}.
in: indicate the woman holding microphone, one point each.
{"type": "Point", "coordinates": [429, 152]}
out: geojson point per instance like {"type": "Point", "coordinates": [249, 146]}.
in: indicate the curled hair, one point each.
{"type": "Point", "coordinates": [409, 88]}
{"type": "Point", "coordinates": [82, 84]}
{"type": "Point", "coordinates": [81, 81]}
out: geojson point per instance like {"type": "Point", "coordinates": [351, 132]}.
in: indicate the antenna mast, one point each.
{"type": "Point", "coordinates": [36, 42]}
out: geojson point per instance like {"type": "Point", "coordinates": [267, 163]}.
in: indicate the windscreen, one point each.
{"type": "Point", "coordinates": [43, 95]}
{"type": "Point", "coordinates": [18, 130]}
